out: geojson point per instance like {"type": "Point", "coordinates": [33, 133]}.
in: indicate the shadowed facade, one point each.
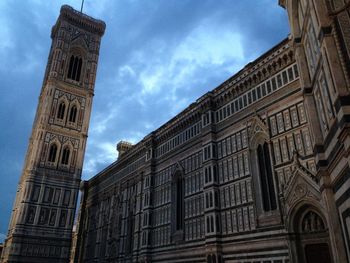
{"type": "Point", "coordinates": [257, 170]}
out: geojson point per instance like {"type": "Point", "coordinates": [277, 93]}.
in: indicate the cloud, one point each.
{"type": "Point", "coordinates": [126, 71]}
{"type": "Point", "coordinates": [160, 70]}
{"type": "Point", "coordinates": [209, 43]}
{"type": "Point", "coordinates": [104, 118]}
{"type": "Point", "coordinates": [102, 153]}
{"type": "Point", "coordinates": [156, 78]}
{"type": "Point", "coordinates": [206, 46]}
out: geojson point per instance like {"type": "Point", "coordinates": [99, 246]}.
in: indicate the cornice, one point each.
{"type": "Point", "coordinates": [255, 72]}
{"type": "Point", "coordinates": [79, 19]}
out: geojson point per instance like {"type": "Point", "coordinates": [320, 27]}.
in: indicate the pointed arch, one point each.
{"type": "Point", "coordinates": [70, 69]}
{"type": "Point", "coordinates": [262, 165]}
{"type": "Point", "coordinates": [258, 132]}
{"type": "Point", "coordinates": [300, 213]}
{"type": "Point", "coordinates": [73, 113]}
{"type": "Point", "coordinates": [178, 192]}
{"type": "Point", "coordinates": [266, 178]}
{"type": "Point", "coordinates": [309, 225]}
{"type": "Point", "coordinates": [66, 154]}
{"type": "Point", "coordinates": [52, 153]}
{"type": "Point", "coordinates": [61, 110]}
{"type": "Point", "coordinates": [76, 63]}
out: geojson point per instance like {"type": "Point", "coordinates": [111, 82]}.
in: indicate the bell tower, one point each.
{"type": "Point", "coordinates": [40, 229]}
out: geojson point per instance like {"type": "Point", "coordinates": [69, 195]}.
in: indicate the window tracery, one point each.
{"type": "Point", "coordinates": [179, 203]}
{"type": "Point", "coordinates": [74, 70]}
{"type": "Point", "coordinates": [266, 178]}
{"type": "Point", "coordinates": [61, 110]}
{"type": "Point", "coordinates": [65, 156]}
{"type": "Point", "coordinates": [73, 113]}
{"type": "Point", "coordinates": [52, 153]}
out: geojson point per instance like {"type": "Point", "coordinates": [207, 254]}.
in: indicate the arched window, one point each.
{"type": "Point", "coordinates": [266, 178]}
{"type": "Point", "coordinates": [65, 156]}
{"type": "Point", "coordinates": [179, 202]}
{"type": "Point", "coordinates": [52, 153]}
{"type": "Point", "coordinates": [74, 70]}
{"type": "Point", "coordinates": [130, 229]}
{"type": "Point", "coordinates": [61, 110]}
{"type": "Point", "coordinates": [70, 70]}
{"type": "Point", "coordinates": [73, 114]}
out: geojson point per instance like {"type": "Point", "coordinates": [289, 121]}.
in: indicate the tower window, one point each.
{"type": "Point", "coordinates": [52, 153]}
{"type": "Point", "coordinates": [74, 69]}
{"type": "Point", "coordinates": [73, 114]}
{"type": "Point", "coordinates": [65, 156]}
{"type": "Point", "coordinates": [61, 110]}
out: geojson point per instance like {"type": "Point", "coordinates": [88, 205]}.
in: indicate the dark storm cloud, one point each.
{"type": "Point", "coordinates": [156, 58]}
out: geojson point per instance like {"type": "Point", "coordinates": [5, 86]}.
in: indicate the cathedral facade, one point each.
{"type": "Point", "coordinates": [255, 171]}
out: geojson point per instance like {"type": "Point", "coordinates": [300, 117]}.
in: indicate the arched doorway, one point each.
{"type": "Point", "coordinates": [312, 238]}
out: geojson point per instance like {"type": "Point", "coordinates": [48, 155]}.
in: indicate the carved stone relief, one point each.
{"type": "Point", "coordinates": [302, 186]}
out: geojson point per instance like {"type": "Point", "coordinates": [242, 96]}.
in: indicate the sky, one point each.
{"type": "Point", "coordinates": [156, 58]}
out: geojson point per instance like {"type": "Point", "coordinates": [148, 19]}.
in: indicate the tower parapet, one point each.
{"type": "Point", "coordinates": [80, 20]}
{"type": "Point", "coordinates": [123, 147]}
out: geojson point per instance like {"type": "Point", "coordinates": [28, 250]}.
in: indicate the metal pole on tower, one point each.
{"type": "Point", "coordinates": [82, 5]}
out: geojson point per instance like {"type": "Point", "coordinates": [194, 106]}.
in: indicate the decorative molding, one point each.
{"type": "Point", "coordinates": [301, 186]}
{"type": "Point", "coordinates": [258, 130]}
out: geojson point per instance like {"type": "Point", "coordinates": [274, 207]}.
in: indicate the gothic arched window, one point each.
{"type": "Point", "coordinates": [52, 153]}
{"type": "Point", "coordinates": [74, 70]}
{"type": "Point", "coordinates": [130, 229]}
{"type": "Point", "coordinates": [266, 178]}
{"type": "Point", "coordinates": [61, 110]}
{"type": "Point", "coordinates": [73, 114]}
{"type": "Point", "coordinates": [179, 202]}
{"type": "Point", "coordinates": [65, 156]}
